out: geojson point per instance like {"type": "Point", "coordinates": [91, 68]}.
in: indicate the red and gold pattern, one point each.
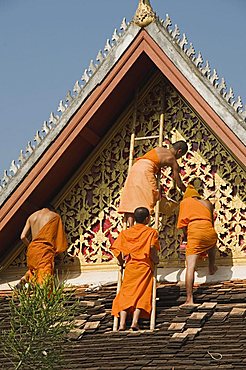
{"type": "Point", "coordinates": [89, 204]}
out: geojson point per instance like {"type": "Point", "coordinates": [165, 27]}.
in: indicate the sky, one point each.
{"type": "Point", "coordinates": [45, 46]}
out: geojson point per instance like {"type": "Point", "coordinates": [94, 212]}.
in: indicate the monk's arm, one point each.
{"type": "Point", "coordinates": [211, 206]}
{"type": "Point", "coordinates": [176, 176]}
{"type": "Point", "coordinates": [120, 260]}
{"type": "Point", "coordinates": [154, 255]}
{"type": "Point", "coordinates": [116, 249]}
{"type": "Point", "coordinates": [25, 232]}
{"type": "Point", "coordinates": [183, 237]}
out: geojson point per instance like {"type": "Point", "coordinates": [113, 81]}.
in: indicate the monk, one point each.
{"type": "Point", "coordinates": [137, 246]}
{"type": "Point", "coordinates": [140, 189]}
{"type": "Point", "coordinates": [48, 240]}
{"type": "Point", "coordinates": [196, 219]}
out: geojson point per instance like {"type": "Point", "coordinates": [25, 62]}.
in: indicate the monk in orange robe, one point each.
{"type": "Point", "coordinates": [48, 240]}
{"type": "Point", "coordinates": [138, 246]}
{"type": "Point", "coordinates": [140, 189]}
{"type": "Point", "coordinates": [196, 219]}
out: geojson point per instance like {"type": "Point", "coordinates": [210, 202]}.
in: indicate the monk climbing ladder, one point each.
{"type": "Point", "coordinates": [141, 188]}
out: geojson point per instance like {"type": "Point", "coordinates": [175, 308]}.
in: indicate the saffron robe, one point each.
{"type": "Point", "coordinates": [136, 289]}
{"type": "Point", "coordinates": [50, 241]}
{"type": "Point", "coordinates": [140, 189]}
{"type": "Point", "coordinates": [201, 235]}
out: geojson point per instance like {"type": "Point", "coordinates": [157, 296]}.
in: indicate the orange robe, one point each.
{"type": "Point", "coordinates": [201, 235]}
{"type": "Point", "coordinates": [136, 289]}
{"type": "Point", "coordinates": [50, 241]}
{"type": "Point", "coordinates": [140, 189]}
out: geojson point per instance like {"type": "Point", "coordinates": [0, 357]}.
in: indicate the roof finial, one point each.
{"type": "Point", "coordinates": [144, 14]}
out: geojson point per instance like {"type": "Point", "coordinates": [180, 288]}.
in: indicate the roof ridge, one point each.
{"type": "Point", "coordinates": [205, 70]}
{"type": "Point", "coordinates": [54, 119]}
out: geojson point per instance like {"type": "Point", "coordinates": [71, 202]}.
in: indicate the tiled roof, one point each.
{"type": "Point", "coordinates": [209, 336]}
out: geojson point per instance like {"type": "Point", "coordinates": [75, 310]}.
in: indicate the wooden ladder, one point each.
{"type": "Point", "coordinates": [133, 140]}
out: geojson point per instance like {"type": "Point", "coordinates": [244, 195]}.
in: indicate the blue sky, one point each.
{"type": "Point", "coordinates": [45, 45]}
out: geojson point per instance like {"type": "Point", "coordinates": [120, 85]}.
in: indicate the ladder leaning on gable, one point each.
{"type": "Point", "coordinates": [156, 225]}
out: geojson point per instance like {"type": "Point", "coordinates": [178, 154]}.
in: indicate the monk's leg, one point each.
{"type": "Point", "coordinates": [189, 278]}
{"type": "Point", "coordinates": [125, 221]}
{"type": "Point", "coordinates": [44, 271]}
{"type": "Point", "coordinates": [130, 219]}
{"type": "Point", "coordinates": [135, 319]}
{"type": "Point", "coordinates": [123, 315]}
{"type": "Point", "coordinates": [25, 279]}
{"type": "Point", "coordinates": [211, 261]}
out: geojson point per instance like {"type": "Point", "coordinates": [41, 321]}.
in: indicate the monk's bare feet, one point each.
{"type": "Point", "coordinates": [122, 328]}
{"type": "Point", "coordinates": [212, 269]}
{"type": "Point", "coordinates": [189, 304]}
{"type": "Point", "coordinates": [134, 328]}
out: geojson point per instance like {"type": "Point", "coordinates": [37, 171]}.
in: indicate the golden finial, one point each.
{"type": "Point", "coordinates": [144, 14]}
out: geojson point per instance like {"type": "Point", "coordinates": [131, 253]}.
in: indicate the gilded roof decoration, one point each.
{"type": "Point", "coordinates": [144, 14]}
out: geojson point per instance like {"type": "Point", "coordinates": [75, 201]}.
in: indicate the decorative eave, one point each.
{"type": "Point", "coordinates": [192, 66]}
{"type": "Point", "coordinates": [91, 77]}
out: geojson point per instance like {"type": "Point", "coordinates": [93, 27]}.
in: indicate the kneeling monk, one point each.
{"type": "Point", "coordinates": [138, 245]}
{"type": "Point", "coordinates": [196, 219]}
{"type": "Point", "coordinates": [48, 240]}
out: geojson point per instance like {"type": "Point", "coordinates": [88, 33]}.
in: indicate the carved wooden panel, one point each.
{"type": "Point", "coordinates": [89, 205]}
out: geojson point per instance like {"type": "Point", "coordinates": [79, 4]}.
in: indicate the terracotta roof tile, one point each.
{"type": "Point", "coordinates": [184, 338]}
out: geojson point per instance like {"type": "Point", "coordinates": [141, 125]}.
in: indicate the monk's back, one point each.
{"type": "Point", "coordinates": [39, 219]}
{"type": "Point", "coordinates": [166, 158]}
{"type": "Point", "coordinates": [206, 203]}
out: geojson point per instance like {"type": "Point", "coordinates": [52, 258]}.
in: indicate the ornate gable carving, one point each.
{"type": "Point", "coordinates": [89, 204]}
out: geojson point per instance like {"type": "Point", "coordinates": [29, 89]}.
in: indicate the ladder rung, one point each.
{"type": "Point", "coordinates": [147, 137]}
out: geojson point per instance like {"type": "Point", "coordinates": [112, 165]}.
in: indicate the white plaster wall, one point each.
{"type": "Point", "coordinates": [95, 279]}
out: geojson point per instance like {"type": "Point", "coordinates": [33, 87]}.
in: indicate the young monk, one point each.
{"type": "Point", "coordinates": [48, 240]}
{"type": "Point", "coordinates": [137, 245]}
{"type": "Point", "coordinates": [196, 219]}
{"type": "Point", "coordinates": [140, 189]}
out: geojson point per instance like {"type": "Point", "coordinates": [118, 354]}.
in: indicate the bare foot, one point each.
{"type": "Point", "coordinates": [134, 328]}
{"type": "Point", "coordinates": [122, 328]}
{"type": "Point", "coordinates": [212, 270]}
{"type": "Point", "coordinates": [189, 304]}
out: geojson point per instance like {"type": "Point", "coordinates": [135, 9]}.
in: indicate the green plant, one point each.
{"type": "Point", "coordinates": [40, 318]}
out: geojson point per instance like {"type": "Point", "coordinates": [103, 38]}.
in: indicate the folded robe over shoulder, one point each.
{"type": "Point", "coordinates": [201, 235]}
{"type": "Point", "coordinates": [50, 241]}
{"type": "Point", "coordinates": [136, 289]}
{"type": "Point", "coordinates": [140, 189]}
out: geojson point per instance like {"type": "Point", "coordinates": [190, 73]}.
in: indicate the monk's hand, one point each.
{"type": "Point", "coordinates": [120, 260]}
{"type": "Point", "coordinates": [126, 258]}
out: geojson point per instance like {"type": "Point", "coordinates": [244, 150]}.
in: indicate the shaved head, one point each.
{"type": "Point", "coordinates": [140, 214]}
